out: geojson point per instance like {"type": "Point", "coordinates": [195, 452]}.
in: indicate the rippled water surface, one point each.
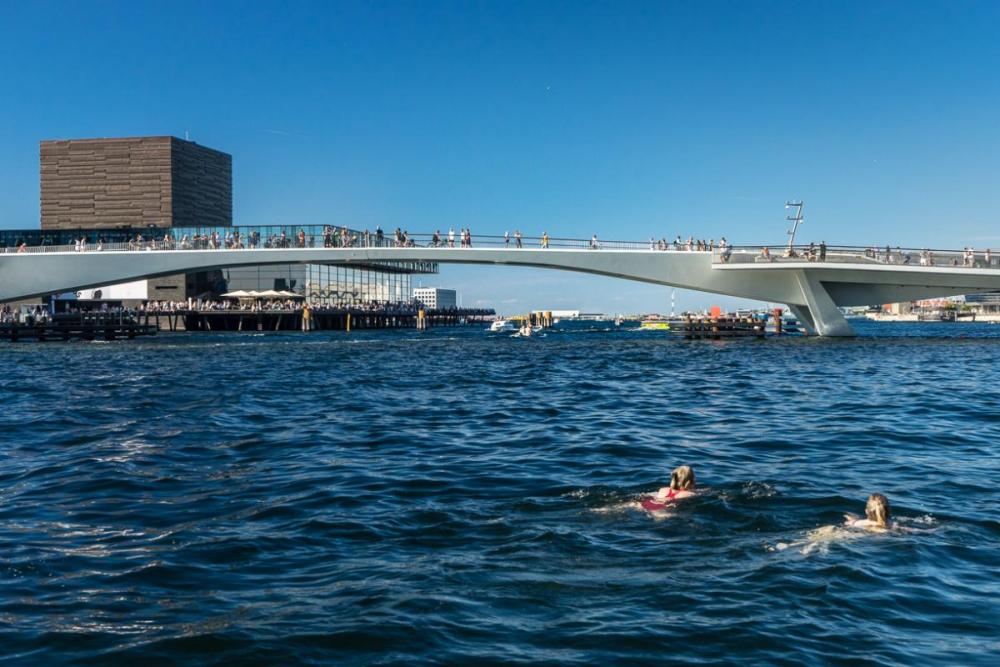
{"type": "Point", "coordinates": [455, 497]}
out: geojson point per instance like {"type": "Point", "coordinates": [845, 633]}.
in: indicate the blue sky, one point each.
{"type": "Point", "coordinates": [625, 119]}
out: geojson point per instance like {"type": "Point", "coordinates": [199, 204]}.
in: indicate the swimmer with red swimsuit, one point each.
{"type": "Point", "coordinates": [681, 486]}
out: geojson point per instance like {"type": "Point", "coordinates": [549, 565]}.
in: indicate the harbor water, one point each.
{"type": "Point", "coordinates": [454, 497]}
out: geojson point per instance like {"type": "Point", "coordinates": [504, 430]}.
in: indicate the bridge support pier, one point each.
{"type": "Point", "coordinates": [818, 312]}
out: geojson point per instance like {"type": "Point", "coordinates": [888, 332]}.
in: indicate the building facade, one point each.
{"type": "Point", "coordinates": [331, 285]}
{"type": "Point", "coordinates": [134, 182]}
{"type": "Point", "coordinates": [435, 298]}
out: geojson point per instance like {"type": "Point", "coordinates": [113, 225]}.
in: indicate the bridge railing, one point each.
{"type": "Point", "coordinates": [328, 236]}
{"type": "Point", "coordinates": [915, 257]}
{"type": "Point", "coordinates": [307, 237]}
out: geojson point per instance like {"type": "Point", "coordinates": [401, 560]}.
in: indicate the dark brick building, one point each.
{"type": "Point", "coordinates": [137, 182]}
{"type": "Point", "coordinates": [134, 182]}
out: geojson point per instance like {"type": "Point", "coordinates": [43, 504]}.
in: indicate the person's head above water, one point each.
{"type": "Point", "coordinates": [877, 509]}
{"type": "Point", "coordinates": [682, 479]}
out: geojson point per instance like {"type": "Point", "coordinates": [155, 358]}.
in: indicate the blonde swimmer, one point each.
{"type": "Point", "coordinates": [877, 514]}
{"type": "Point", "coordinates": [681, 486]}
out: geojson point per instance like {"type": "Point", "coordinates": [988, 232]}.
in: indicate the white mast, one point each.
{"type": "Point", "coordinates": [796, 220]}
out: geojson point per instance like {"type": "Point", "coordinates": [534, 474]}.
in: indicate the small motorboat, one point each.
{"type": "Point", "coordinates": [501, 325]}
{"type": "Point", "coordinates": [655, 325]}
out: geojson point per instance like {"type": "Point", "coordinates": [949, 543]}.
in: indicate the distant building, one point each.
{"type": "Point", "coordinates": [436, 298]}
{"type": "Point", "coordinates": [575, 315]}
{"type": "Point", "coordinates": [984, 302]}
{"type": "Point", "coordinates": [134, 182]}
{"type": "Point", "coordinates": [330, 284]}
{"type": "Point", "coordinates": [138, 183]}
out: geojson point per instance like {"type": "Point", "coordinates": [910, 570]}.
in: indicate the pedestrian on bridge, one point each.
{"type": "Point", "coordinates": [506, 239]}
{"type": "Point", "coordinates": [517, 238]}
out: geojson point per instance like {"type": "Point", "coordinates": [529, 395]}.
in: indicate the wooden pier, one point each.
{"type": "Point", "coordinates": [318, 319]}
{"type": "Point", "coordinates": [720, 327]}
{"type": "Point", "coordinates": [67, 326]}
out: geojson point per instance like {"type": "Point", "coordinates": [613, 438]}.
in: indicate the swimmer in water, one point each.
{"type": "Point", "coordinates": [681, 486]}
{"type": "Point", "coordinates": [876, 519]}
{"type": "Point", "coordinates": [876, 514]}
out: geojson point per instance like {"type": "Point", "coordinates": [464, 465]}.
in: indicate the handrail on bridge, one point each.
{"type": "Point", "coordinates": [844, 254]}
{"type": "Point", "coordinates": [292, 237]}
{"type": "Point", "coordinates": [311, 237]}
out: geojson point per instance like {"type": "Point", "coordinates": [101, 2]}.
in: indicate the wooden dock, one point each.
{"type": "Point", "coordinates": [85, 326]}
{"type": "Point", "coordinates": [320, 319]}
{"type": "Point", "coordinates": [720, 327]}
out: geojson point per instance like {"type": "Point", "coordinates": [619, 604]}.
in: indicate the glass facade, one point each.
{"type": "Point", "coordinates": [325, 284]}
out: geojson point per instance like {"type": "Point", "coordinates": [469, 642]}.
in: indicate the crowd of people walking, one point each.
{"type": "Point", "coordinates": [690, 245]}
{"type": "Point", "coordinates": [342, 237]}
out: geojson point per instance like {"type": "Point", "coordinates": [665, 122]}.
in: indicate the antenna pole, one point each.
{"type": "Point", "coordinates": [796, 220]}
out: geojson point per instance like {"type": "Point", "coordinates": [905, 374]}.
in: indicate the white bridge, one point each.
{"type": "Point", "coordinates": [812, 289]}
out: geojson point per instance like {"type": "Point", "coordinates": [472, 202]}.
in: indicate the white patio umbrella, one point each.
{"type": "Point", "coordinates": [238, 294]}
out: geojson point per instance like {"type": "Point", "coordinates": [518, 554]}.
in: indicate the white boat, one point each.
{"type": "Point", "coordinates": [502, 326]}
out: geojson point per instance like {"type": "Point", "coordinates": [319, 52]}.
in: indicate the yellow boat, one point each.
{"type": "Point", "coordinates": [655, 325]}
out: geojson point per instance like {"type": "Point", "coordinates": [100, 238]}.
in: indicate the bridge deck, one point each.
{"type": "Point", "coordinates": [814, 281]}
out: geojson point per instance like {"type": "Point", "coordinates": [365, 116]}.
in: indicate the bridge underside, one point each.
{"type": "Point", "coordinates": [813, 291]}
